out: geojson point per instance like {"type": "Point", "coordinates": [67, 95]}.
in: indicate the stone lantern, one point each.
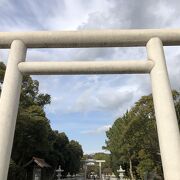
{"type": "Point", "coordinates": [59, 171]}
{"type": "Point", "coordinates": [121, 173]}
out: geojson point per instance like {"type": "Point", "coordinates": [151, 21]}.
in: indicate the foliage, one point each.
{"type": "Point", "coordinates": [133, 140]}
{"type": "Point", "coordinates": [105, 167]}
{"type": "Point", "coordinates": [34, 136]}
{"type": "Point", "coordinates": [74, 153]}
{"type": "Point", "coordinates": [2, 71]}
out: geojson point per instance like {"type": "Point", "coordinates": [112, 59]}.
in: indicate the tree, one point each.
{"type": "Point", "coordinates": [59, 148]}
{"type": "Point", "coordinates": [31, 135]}
{"type": "Point", "coordinates": [106, 166]}
{"type": "Point", "coordinates": [2, 72]}
{"type": "Point", "coordinates": [75, 154]}
{"type": "Point", "coordinates": [34, 136]}
{"type": "Point", "coordinates": [133, 140]}
{"type": "Point", "coordinates": [32, 126]}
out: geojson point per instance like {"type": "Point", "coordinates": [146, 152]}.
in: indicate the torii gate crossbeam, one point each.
{"type": "Point", "coordinates": [167, 126]}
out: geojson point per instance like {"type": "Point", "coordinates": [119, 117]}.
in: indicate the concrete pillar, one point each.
{"type": "Point", "coordinates": [100, 174]}
{"type": "Point", "coordinates": [9, 104]}
{"type": "Point", "coordinates": [85, 171]}
{"type": "Point", "coordinates": [167, 126]}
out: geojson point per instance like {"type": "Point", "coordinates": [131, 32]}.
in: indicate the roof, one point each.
{"type": "Point", "coordinates": [40, 162]}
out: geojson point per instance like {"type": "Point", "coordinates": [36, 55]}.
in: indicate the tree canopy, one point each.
{"type": "Point", "coordinates": [105, 166]}
{"type": "Point", "coordinates": [35, 137]}
{"type": "Point", "coordinates": [133, 141]}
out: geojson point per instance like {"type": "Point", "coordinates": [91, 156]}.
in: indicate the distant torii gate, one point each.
{"type": "Point", "coordinates": [90, 162]}
{"type": "Point", "coordinates": [19, 42]}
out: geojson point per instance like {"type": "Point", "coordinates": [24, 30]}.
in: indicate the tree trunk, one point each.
{"type": "Point", "coordinates": [130, 169]}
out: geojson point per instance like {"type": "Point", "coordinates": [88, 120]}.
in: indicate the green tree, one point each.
{"type": "Point", "coordinates": [34, 136]}
{"type": "Point", "coordinates": [59, 148]}
{"type": "Point", "coordinates": [32, 126]}
{"type": "Point", "coordinates": [75, 154]}
{"type": "Point", "coordinates": [133, 140]}
{"type": "Point", "coordinates": [2, 72]}
{"type": "Point", "coordinates": [31, 135]}
{"type": "Point", "coordinates": [106, 167]}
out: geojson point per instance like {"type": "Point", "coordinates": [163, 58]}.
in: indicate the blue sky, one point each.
{"type": "Point", "coordinates": [86, 106]}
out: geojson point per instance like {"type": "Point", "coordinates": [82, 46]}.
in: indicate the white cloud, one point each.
{"type": "Point", "coordinates": [102, 99]}
{"type": "Point", "coordinates": [98, 130]}
{"type": "Point", "coordinates": [106, 94]}
{"type": "Point", "coordinates": [95, 93]}
{"type": "Point", "coordinates": [93, 151]}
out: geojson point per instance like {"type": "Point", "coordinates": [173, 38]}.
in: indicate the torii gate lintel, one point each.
{"type": "Point", "coordinates": [167, 126]}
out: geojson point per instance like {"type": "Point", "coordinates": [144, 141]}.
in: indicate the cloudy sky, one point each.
{"type": "Point", "coordinates": [86, 106]}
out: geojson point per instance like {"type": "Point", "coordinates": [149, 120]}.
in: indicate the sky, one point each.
{"type": "Point", "coordinates": [84, 107]}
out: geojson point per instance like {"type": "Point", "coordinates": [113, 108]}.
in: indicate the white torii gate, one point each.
{"type": "Point", "coordinates": [90, 162]}
{"type": "Point", "coordinates": [155, 65]}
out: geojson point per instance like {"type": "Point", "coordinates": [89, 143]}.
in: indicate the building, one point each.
{"type": "Point", "coordinates": [38, 169]}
